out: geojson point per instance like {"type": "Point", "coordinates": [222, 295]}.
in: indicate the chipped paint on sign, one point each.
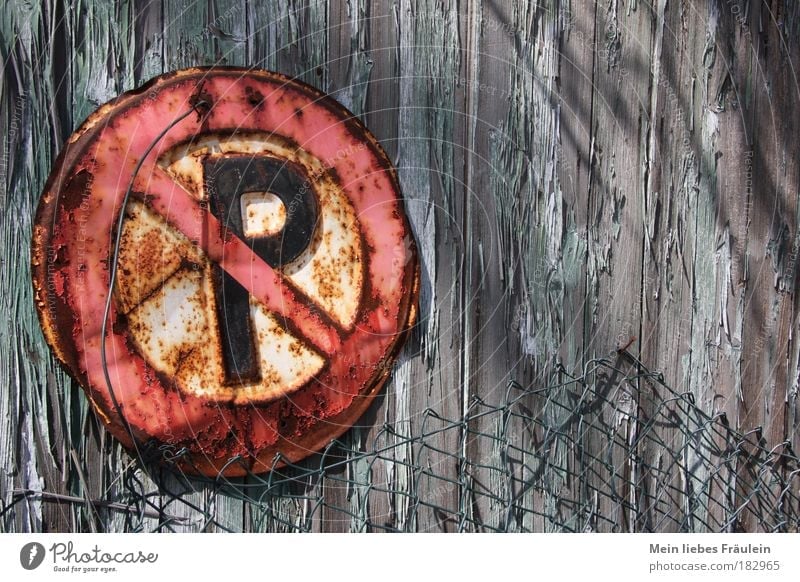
{"type": "Point", "coordinates": [170, 306]}
{"type": "Point", "coordinates": [330, 271]}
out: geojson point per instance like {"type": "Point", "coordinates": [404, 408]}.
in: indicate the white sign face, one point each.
{"type": "Point", "coordinates": [166, 284]}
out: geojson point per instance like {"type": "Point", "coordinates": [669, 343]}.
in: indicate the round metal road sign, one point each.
{"type": "Point", "coordinates": [221, 258]}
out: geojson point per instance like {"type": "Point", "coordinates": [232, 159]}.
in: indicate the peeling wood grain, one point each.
{"type": "Point", "coordinates": [427, 46]}
{"type": "Point", "coordinates": [28, 372]}
{"type": "Point", "coordinates": [293, 38]}
{"type": "Point", "coordinates": [578, 175]}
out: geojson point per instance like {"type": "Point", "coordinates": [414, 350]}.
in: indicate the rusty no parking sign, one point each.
{"type": "Point", "coordinates": [264, 273]}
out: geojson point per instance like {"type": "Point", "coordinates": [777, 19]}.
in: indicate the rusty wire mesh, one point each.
{"type": "Point", "coordinates": [612, 448]}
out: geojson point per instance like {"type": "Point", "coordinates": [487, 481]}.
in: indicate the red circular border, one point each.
{"type": "Point", "coordinates": [71, 245]}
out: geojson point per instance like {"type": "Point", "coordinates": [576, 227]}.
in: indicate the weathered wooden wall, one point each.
{"type": "Point", "coordinates": [579, 176]}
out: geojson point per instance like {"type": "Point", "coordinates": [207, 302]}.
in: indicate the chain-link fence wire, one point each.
{"type": "Point", "coordinates": [613, 448]}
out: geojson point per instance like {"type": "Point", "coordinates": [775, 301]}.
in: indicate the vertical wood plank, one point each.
{"type": "Point", "coordinates": [528, 255]}
{"type": "Point", "coordinates": [101, 65]}
{"type": "Point", "coordinates": [428, 56]}
{"type": "Point", "coordinates": [772, 235]}
{"type": "Point", "coordinates": [229, 28]}
{"type": "Point", "coordinates": [380, 115]}
{"type": "Point", "coordinates": [149, 61]}
{"type": "Point", "coordinates": [666, 292]}
{"type": "Point", "coordinates": [186, 38]}
{"type": "Point", "coordinates": [770, 294]}
{"type": "Point", "coordinates": [28, 381]}
{"type": "Point", "coordinates": [291, 38]}
{"type": "Point", "coordinates": [573, 158]}
{"type": "Point", "coordinates": [348, 67]}
{"type": "Point", "coordinates": [616, 202]}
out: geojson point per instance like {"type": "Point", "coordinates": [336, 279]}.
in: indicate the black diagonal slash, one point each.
{"type": "Point", "coordinates": [226, 179]}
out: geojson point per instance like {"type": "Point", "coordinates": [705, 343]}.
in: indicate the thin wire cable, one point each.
{"type": "Point", "coordinates": [115, 265]}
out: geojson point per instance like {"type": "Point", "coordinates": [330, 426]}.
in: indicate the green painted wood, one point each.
{"type": "Point", "coordinates": [579, 176]}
